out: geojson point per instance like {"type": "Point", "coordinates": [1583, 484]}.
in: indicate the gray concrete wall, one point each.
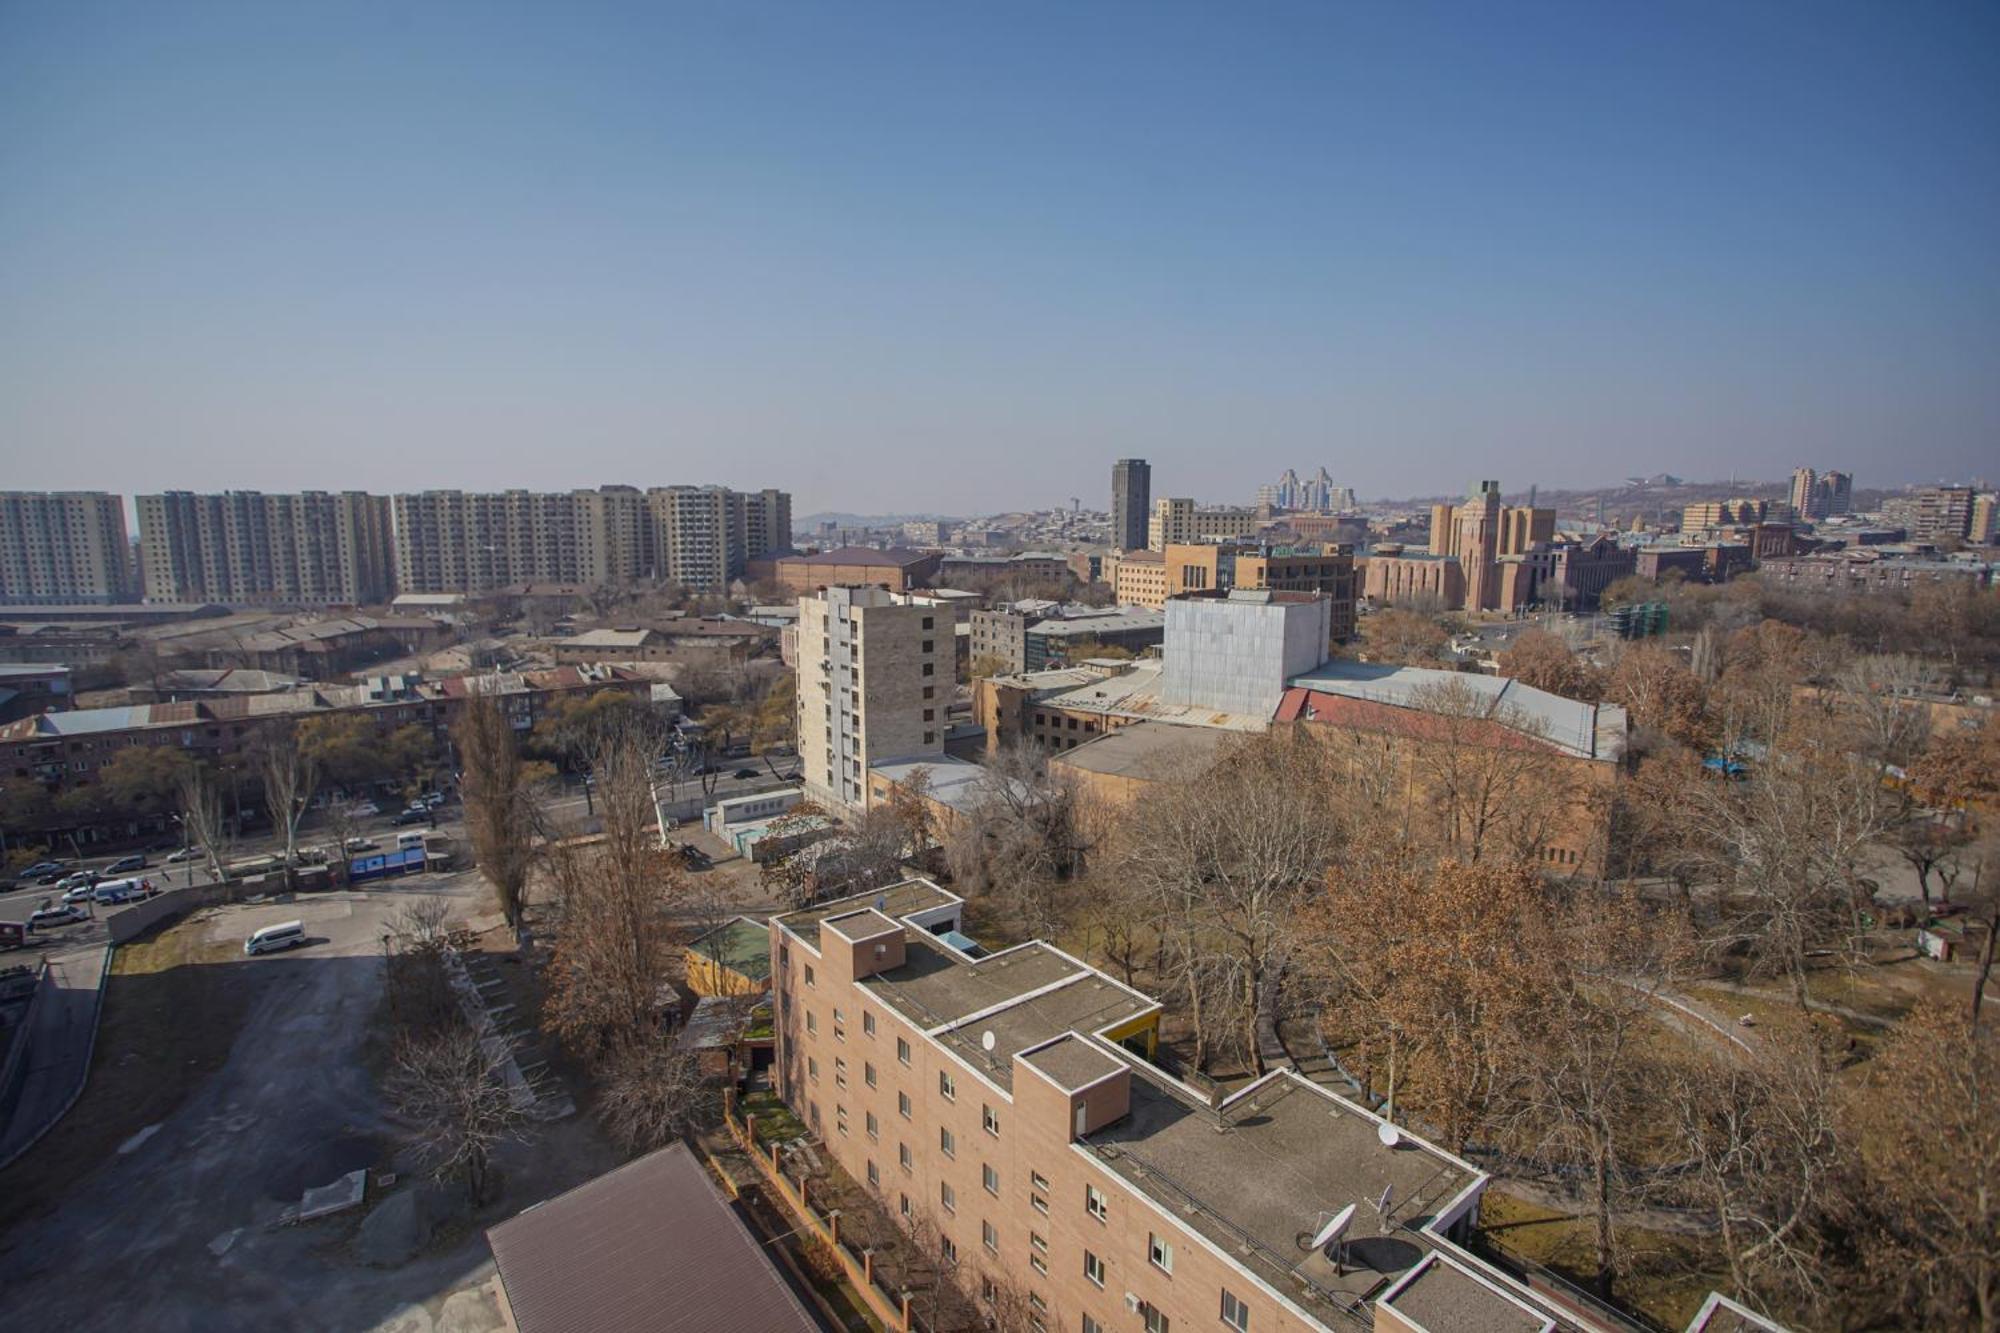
{"type": "Point", "coordinates": [1235, 656]}
{"type": "Point", "coordinates": [127, 922]}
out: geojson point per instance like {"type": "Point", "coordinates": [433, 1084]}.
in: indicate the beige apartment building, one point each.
{"type": "Point", "coordinates": [1006, 1108]}
{"type": "Point", "coordinates": [63, 547]}
{"type": "Point", "coordinates": [1138, 578]}
{"type": "Point", "coordinates": [314, 547]}
{"type": "Point", "coordinates": [700, 536]}
{"type": "Point", "coordinates": [874, 680]}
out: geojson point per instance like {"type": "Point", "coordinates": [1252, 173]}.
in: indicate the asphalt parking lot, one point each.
{"type": "Point", "coordinates": [180, 1230]}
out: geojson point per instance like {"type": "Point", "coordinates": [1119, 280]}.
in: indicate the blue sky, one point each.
{"type": "Point", "coordinates": [959, 257]}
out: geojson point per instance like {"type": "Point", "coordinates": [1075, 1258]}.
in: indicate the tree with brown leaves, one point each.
{"type": "Point", "coordinates": [502, 808]}
{"type": "Point", "coordinates": [1547, 662]}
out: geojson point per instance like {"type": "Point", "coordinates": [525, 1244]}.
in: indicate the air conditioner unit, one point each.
{"type": "Point", "coordinates": [1132, 1302]}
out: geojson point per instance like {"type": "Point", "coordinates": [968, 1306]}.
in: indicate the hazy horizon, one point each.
{"type": "Point", "coordinates": [908, 258]}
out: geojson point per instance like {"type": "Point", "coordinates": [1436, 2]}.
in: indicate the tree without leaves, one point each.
{"type": "Point", "coordinates": [449, 1088]}
{"type": "Point", "coordinates": [1020, 841]}
{"type": "Point", "coordinates": [1660, 695]}
{"type": "Point", "coordinates": [1225, 858]}
{"type": "Point", "coordinates": [1760, 1135]}
{"type": "Point", "coordinates": [289, 775]}
{"type": "Point", "coordinates": [202, 820]}
{"type": "Point", "coordinates": [651, 1094]}
{"type": "Point", "coordinates": [501, 812]}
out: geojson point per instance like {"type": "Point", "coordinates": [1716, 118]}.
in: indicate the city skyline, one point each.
{"type": "Point", "coordinates": [744, 244]}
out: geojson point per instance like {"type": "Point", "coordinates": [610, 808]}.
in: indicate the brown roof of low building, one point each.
{"type": "Point", "coordinates": [860, 555]}
{"type": "Point", "coordinates": [650, 1246]}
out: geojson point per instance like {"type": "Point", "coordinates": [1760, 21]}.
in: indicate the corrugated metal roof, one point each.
{"type": "Point", "coordinates": [650, 1246]}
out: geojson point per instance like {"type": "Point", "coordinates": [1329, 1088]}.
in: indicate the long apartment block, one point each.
{"type": "Point", "coordinates": [700, 536]}
{"type": "Point", "coordinates": [1007, 1106]}
{"type": "Point", "coordinates": [250, 547]}
{"type": "Point", "coordinates": [63, 547]}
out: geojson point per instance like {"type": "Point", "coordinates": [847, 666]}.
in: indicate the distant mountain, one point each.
{"type": "Point", "coordinates": [840, 520]}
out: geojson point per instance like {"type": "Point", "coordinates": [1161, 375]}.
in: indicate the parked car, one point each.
{"type": "Point", "coordinates": [183, 854]}
{"type": "Point", "coordinates": [80, 892]}
{"type": "Point", "coordinates": [420, 815]}
{"type": "Point", "coordinates": [79, 879]}
{"type": "Point", "coordinates": [354, 845]}
{"type": "Point", "coordinates": [695, 856]}
{"type": "Point", "coordinates": [432, 800]}
{"type": "Point", "coordinates": [363, 810]}
{"type": "Point", "coordinates": [744, 774]}
{"type": "Point", "coordinates": [42, 868]}
{"type": "Point", "coordinates": [48, 918]}
{"type": "Point", "coordinates": [125, 865]}
{"type": "Point", "coordinates": [289, 935]}
{"type": "Point", "coordinates": [41, 879]}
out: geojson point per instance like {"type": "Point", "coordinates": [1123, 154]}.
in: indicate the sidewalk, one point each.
{"type": "Point", "coordinates": [60, 1043]}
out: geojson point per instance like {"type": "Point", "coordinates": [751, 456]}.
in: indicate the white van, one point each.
{"type": "Point", "coordinates": [119, 890]}
{"type": "Point", "coordinates": [409, 838]}
{"type": "Point", "coordinates": [270, 939]}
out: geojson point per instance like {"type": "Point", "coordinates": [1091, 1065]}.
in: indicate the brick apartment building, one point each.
{"type": "Point", "coordinates": [1007, 1108]}
{"type": "Point", "coordinates": [897, 570]}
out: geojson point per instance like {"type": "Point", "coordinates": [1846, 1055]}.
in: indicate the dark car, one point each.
{"type": "Point", "coordinates": [125, 865]}
{"type": "Point", "coordinates": [695, 856]}
{"type": "Point", "coordinates": [413, 817]}
{"type": "Point", "coordinates": [744, 774]}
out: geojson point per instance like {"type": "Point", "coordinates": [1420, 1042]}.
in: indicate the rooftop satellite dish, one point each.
{"type": "Point", "coordinates": [1382, 1204]}
{"type": "Point", "coordinates": [1333, 1230]}
{"type": "Point", "coordinates": [1388, 1134]}
{"type": "Point", "coordinates": [986, 1040]}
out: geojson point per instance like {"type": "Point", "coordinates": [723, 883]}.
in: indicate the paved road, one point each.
{"type": "Point", "coordinates": [61, 1047]}
{"type": "Point", "coordinates": [16, 903]}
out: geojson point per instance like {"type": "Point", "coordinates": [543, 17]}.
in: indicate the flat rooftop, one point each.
{"type": "Point", "coordinates": [935, 987]}
{"type": "Point", "coordinates": [1441, 1297]}
{"type": "Point", "coordinates": [898, 900]}
{"type": "Point", "coordinates": [1262, 1175]}
{"type": "Point", "coordinates": [1091, 1001]}
{"type": "Point", "coordinates": [1073, 1061]}
{"type": "Point", "coordinates": [1136, 694]}
{"type": "Point", "coordinates": [1146, 750]}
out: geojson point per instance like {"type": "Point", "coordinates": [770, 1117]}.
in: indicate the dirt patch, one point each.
{"type": "Point", "coordinates": [1671, 1274]}
{"type": "Point", "coordinates": [170, 1015]}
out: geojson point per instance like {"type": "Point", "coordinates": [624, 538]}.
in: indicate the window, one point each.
{"type": "Point", "coordinates": [930, 738]}
{"type": "Point", "coordinates": [930, 715]}
{"type": "Point", "coordinates": [809, 975]}
{"type": "Point", "coordinates": [903, 1050]}
{"type": "Point", "coordinates": [1093, 1268]}
{"type": "Point", "coordinates": [903, 1105]}
{"type": "Point", "coordinates": [1155, 1321]}
{"type": "Point", "coordinates": [947, 1089]}
{"type": "Point", "coordinates": [987, 1291]}
{"type": "Point", "coordinates": [950, 1250]}
{"type": "Point", "coordinates": [868, 1022]}
{"type": "Point", "coordinates": [1035, 1300]}
{"type": "Point", "coordinates": [1094, 1203]}
{"type": "Point", "coordinates": [812, 1069]}
{"type": "Point", "coordinates": [1041, 1204]}
{"type": "Point", "coordinates": [927, 625]}
{"type": "Point", "coordinates": [813, 1115]}
{"type": "Point", "coordinates": [1039, 1181]}
{"type": "Point", "coordinates": [930, 645]}
{"type": "Point", "coordinates": [945, 1197]}
{"type": "Point", "coordinates": [874, 1175]}
{"type": "Point", "coordinates": [989, 1178]}
{"type": "Point", "coordinates": [929, 669]}
{"type": "Point", "coordinates": [868, 1073]}
{"type": "Point", "coordinates": [1038, 1241]}
{"type": "Point", "coordinates": [874, 1126]}
{"type": "Point", "coordinates": [1039, 1264]}
{"type": "Point", "coordinates": [812, 1021]}
{"type": "Point", "coordinates": [1160, 1252]}
{"type": "Point", "coordinates": [1091, 1325]}
{"type": "Point", "coordinates": [946, 1143]}
{"type": "Point", "coordinates": [903, 1155]}
{"type": "Point", "coordinates": [991, 1119]}
{"type": "Point", "coordinates": [989, 1236]}
{"type": "Point", "coordinates": [930, 691]}
{"type": "Point", "coordinates": [903, 1205]}
{"type": "Point", "coordinates": [840, 1118]}
{"type": "Point", "coordinates": [1234, 1312]}
{"type": "Point", "coordinates": [839, 1072]}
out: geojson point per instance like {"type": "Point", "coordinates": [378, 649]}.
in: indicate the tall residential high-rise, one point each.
{"type": "Point", "coordinates": [1172, 522]}
{"type": "Point", "coordinates": [245, 546]}
{"type": "Point", "coordinates": [1131, 502]}
{"type": "Point", "coordinates": [1985, 519]}
{"type": "Point", "coordinates": [1317, 495]}
{"type": "Point", "coordinates": [700, 536]}
{"type": "Point", "coordinates": [850, 718]}
{"type": "Point", "coordinates": [1805, 484]}
{"type": "Point", "coordinates": [62, 547]}
{"type": "Point", "coordinates": [1941, 512]}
